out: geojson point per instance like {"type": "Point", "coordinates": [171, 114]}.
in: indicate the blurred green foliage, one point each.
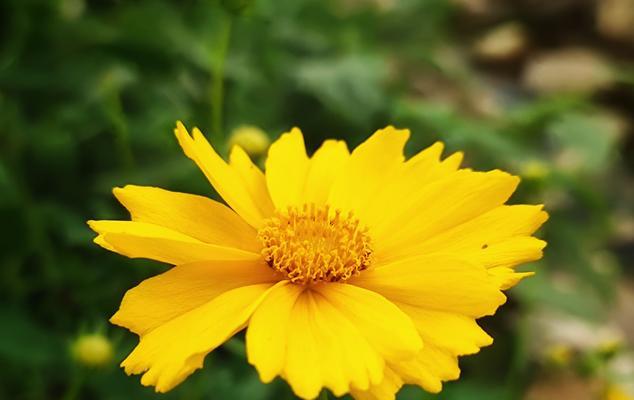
{"type": "Point", "coordinates": [90, 92]}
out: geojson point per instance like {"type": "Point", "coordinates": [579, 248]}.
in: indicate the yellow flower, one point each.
{"type": "Point", "coordinates": [560, 354]}
{"type": "Point", "coordinates": [355, 271]}
{"type": "Point", "coordinates": [614, 392]}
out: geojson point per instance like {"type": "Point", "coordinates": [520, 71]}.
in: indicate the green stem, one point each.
{"type": "Point", "coordinates": [217, 81]}
{"type": "Point", "coordinates": [74, 386]}
{"type": "Point", "coordinates": [323, 395]}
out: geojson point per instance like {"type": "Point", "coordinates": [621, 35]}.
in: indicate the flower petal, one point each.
{"type": "Point", "coordinates": [326, 348]}
{"type": "Point", "coordinates": [506, 277]}
{"type": "Point", "coordinates": [369, 167]}
{"type": "Point", "coordinates": [429, 368]}
{"type": "Point", "coordinates": [386, 390]}
{"type": "Point", "coordinates": [170, 353]}
{"type": "Point", "coordinates": [268, 331]}
{"type": "Point", "coordinates": [393, 334]}
{"type": "Point", "coordinates": [164, 297]}
{"type": "Point", "coordinates": [142, 240]}
{"type": "Point", "coordinates": [242, 194]}
{"type": "Point", "coordinates": [286, 169]}
{"type": "Point", "coordinates": [442, 205]}
{"type": "Point", "coordinates": [498, 237]}
{"type": "Point", "coordinates": [458, 334]}
{"type": "Point", "coordinates": [325, 165]}
{"type": "Point", "coordinates": [195, 216]}
{"type": "Point", "coordinates": [435, 282]}
{"type": "Point", "coordinates": [510, 252]}
{"type": "Point", "coordinates": [408, 179]}
{"type": "Point", "coordinates": [252, 178]}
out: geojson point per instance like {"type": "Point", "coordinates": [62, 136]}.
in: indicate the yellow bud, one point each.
{"type": "Point", "coordinates": [560, 354]}
{"type": "Point", "coordinates": [609, 346]}
{"type": "Point", "coordinates": [92, 350]}
{"type": "Point", "coordinates": [251, 138]}
{"type": "Point", "coordinates": [534, 169]}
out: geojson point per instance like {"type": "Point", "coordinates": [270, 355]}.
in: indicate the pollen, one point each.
{"type": "Point", "coordinates": [315, 244]}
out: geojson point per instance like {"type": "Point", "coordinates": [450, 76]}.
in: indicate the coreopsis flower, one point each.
{"type": "Point", "coordinates": [353, 271]}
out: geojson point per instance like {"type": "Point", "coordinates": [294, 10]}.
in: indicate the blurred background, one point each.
{"type": "Point", "coordinates": [90, 91]}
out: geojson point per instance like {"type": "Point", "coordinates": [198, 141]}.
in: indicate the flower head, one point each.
{"type": "Point", "coordinates": [356, 271]}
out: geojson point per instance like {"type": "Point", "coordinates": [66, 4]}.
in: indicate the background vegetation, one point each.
{"type": "Point", "coordinates": [90, 91]}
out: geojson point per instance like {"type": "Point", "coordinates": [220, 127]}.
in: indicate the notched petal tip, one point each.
{"type": "Point", "coordinates": [197, 134]}
{"type": "Point", "coordinates": [93, 224]}
{"type": "Point", "coordinates": [118, 190]}
{"type": "Point", "coordinates": [98, 226]}
{"type": "Point", "coordinates": [181, 131]}
{"type": "Point", "coordinates": [117, 320]}
{"type": "Point", "coordinates": [392, 130]}
{"type": "Point", "coordinates": [100, 240]}
{"type": "Point", "coordinates": [500, 300]}
{"type": "Point", "coordinates": [293, 134]}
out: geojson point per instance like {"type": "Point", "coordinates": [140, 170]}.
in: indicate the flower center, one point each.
{"type": "Point", "coordinates": [315, 244]}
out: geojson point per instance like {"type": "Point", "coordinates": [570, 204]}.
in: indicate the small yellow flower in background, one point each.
{"type": "Point", "coordinates": [92, 350]}
{"type": "Point", "coordinates": [615, 392]}
{"type": "Point", "coordinates": [355, 271]}
{"type": "Point", "coordinates": [252, 139]}
{"type": "Point", "coordinates": [560, 354]}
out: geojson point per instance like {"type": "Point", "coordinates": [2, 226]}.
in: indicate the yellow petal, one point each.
{"type": "Point", "coordinates": [453, 162]}
{"type": "Point", "coordinates": [426, 159]}
{"type": "Point", "coordinates": [268, 331]}
{"type": "Point", "coordinates": [490, 237]}
{"type": "Point", "coordinates": [393, 334]}
{"type": "Point", "coordinates": [159, 299]}
{"type": "Point", "coordinates": [458, 334]}
{"type": "Point", "coordinates": [440, 206]}
{"type": "Point", "coordinates": [252, 178]}
{"type": "Point", "coordinates": [142, 240]}
{"type": "Point", "coordinates": [386, 390]}
{"type": "Point", "coordinates": [429, 368]}
{"type": "Point", "coordinates": [326, 349]}
{"type": "Point", "coordinates": [325, 165]}
{"type": "Point", "coordinates": [369, 167]}
{"type": "Point", "coordinates": [171, 352]}
{"type": "Point", "coordinates": [406, 180]}
{"type": "Point", "coordinates": [286, 169]}
{"type": "Point", "coordinates": [506, 277]}
{"type": "Point", "coordinates": [435, 282]}
{"type": "Point", "coordinates": [227, 180]}
{"type": "Point", "coordinates": [510, 252]}
{"type": "Point", "coordinates": [195, 216]}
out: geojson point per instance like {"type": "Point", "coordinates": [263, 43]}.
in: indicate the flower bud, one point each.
{"type": "Point", "coordinates": [92, 350]}
{"type": "Point", "coordinates": [251, 138]}
{"type": "Point", "coordinates": [560, 355]}
{"type": "Point", "coordinates": [534, 169]}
